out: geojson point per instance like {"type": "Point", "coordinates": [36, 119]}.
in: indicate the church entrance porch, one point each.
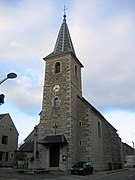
{"type": "Point", "coordinates": [56, 152]}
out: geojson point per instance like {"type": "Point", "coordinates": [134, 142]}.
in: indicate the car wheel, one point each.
{"type": "Point", "coordinates": [91, 172]}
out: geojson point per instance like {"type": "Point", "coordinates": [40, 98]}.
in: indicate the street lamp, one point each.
{"type": "Point", "coordinates": [9, 76]}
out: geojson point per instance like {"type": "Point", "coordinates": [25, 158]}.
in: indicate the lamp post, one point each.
{"type": "Point", "coordinates": [9, 76]}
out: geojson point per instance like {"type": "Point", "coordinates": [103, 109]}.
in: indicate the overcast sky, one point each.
{"type": "Point", "coordinates": [103, 35]}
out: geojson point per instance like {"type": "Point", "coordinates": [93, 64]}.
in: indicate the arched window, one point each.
{"type": "Point", "coordinates": [56, 102]}
{"type": "Point", "coordinates": [57, 67]}
{"type": "Point", "coordinates": [99, 129]}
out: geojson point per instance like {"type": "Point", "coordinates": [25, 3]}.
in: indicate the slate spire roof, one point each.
{"type": "Point", "coordinates": [64, 42]}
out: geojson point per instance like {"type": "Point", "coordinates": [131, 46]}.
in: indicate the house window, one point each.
{"type": "Point", "coordinates": [57, 67]}
{"type": "Point", "coordinates": [6, 156]}
{"type": "Point", "coordinates": [4, 139]}
{"type": "Point", "coordinates": [1, 153]}
{"type": "Point", "coordinates": [99, 129]}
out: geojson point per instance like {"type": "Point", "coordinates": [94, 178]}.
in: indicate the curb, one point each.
{"type": "Point", "coordinates": [115, 171]}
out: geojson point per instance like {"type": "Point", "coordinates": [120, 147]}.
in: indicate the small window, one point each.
{"type": "Point", "coordinates": [76, 71]}
{"type": "Point", "coordinates": [6, 156]}
{"type": "Point", "coordinates": [80, 123]}
{"type": "Point", "coordinates": [57, 67]}
{"type": "Point", "coordinates": [99, 129]}
{"type": "Point", "coordinates": [56, 102]}
{"type": "Point", "coordinates": [80, 143]}
{"type": "Point", "coordinates": [11, 127]}
{"type": "Point", "coordinates": [4, 139]}
{"type": "Point", "coordinates": [12, 155]}
{"type": "Point", "coordinates": [1, 154]}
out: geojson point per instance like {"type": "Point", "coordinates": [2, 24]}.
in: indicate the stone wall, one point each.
{"type": "Point", "coordinates": [127, 150]}
{"type": "Point", "coordinates": [90, 145]}
{"type": "Point", "coordinates": [112, 147]}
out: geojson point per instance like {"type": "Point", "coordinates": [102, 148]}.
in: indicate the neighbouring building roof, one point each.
{"type": "Point", "coordinates": [27, 147]}
{"type": "Point", "coordinates": [2, 116]}
{"type": "Point", "coordinates": [127, 146]}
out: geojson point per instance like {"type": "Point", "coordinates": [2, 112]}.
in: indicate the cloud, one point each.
{"type": "Point", "coordinates": [107, 52]}
{"type": "Point", "coordinates": [24, 92]}
{"type": "Point", "coordinates": [104, 44]}
{"type": "Point", "coordinates": [24, 25]}
{"type": "Point", "coordinates": [122, 119]}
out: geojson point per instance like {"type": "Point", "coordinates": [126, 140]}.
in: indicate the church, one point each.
{"type": "Point", "coordinates": [70, 128]}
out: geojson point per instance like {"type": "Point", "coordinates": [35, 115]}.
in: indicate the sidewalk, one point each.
{"type": "Point", "coordinates": [12, 174]}
{"type": "Point", "coordinates": [62, 173]}
{"type": "Point", "coordinates": [111, 171]}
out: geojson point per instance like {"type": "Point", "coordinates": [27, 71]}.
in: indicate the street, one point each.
{"type": "Point", "coordinates": [122, 175]}
{"type": "Point", "coordinates": [12, 174]}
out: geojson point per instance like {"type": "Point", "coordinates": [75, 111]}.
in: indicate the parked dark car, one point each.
{"type": "Point", "coordinates": [82, 168]}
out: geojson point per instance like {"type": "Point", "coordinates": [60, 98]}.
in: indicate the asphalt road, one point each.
{"type": "Point", "coordinates": [12, 174]}
{"type": "Point", "coordinates": [122, 175]}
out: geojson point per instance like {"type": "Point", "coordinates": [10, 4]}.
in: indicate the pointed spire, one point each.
{"type": "Point", "coordinates": [64, 42]}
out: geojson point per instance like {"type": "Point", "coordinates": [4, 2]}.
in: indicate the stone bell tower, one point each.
{"type": "Point", "coordinates": [58, 120]}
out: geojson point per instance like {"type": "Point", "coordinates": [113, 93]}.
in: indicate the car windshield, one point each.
{"type": "Point", "coordinates": [79, 165]}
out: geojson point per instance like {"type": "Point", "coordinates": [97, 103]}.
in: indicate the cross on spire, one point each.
{"type": "Point", "coordinates": [64, 11]}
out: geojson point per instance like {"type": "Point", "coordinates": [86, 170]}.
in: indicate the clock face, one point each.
{"type": "Point", "coordinates": [56, 88]}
